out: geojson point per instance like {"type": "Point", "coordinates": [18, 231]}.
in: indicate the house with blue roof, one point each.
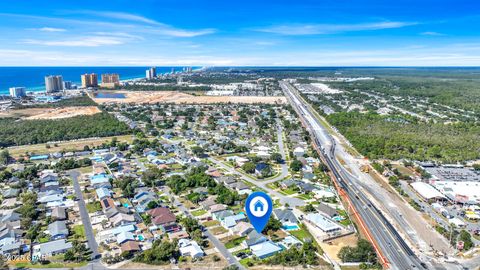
{"type": "Point", "coordinates": [260, 167]}
{"type": "Point", "coordinates": [100, 180]}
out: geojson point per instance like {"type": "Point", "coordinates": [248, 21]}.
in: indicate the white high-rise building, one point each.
{"type": "Point", "coordinates": [18, 92]}
{"type": "Point", "coordinates": [53, 83]}
{"type": "Point", "coordinates": [151, 73]}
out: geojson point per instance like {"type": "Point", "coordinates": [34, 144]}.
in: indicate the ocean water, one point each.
{"type": "Point", "coordinates": [33, 78]}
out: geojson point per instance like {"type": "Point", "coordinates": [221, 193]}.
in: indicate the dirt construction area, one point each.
{"type": "Point", "coordinates": [50, 113]}
{"type": "Point", "coordinates": [180, 97]}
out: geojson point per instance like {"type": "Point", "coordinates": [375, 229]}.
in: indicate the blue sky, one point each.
{"type": "Point", "coordinates": [211, 32]}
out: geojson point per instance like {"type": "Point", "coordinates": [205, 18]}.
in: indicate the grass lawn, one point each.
{"type": "Point", "coordinates": [211, 223]}
{"type": "Point", "coordinates": [94, 207]}
{"type": "Point", "coordinates": [272, 185]}
{"type": "Point", "coordinates": [289, 191]}
{"type": "Point", "coordinates": [43, 239]}
{"type": "Point", "coordinates": [247, 261]}
{"type": "Point", "coordinates": [300, 234]}
{"type": "Point", "coordinates": [218, 230]}
{"type": "Point", "coordinates": [79, 230]}
{"type": "Point", "coordinates": [176, 166]}
{"type": "Point", "coordinates": [199, 212]}
{"type": "Point", "coordinates": [304, 197]}
{"type": "Point", "coordinates": [235, 242]}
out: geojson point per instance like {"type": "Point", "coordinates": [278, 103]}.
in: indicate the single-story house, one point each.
{"type": "Point", "coordinates": [265, 249]}
{"type": "Point", "coordinates": [290, 241]}
{"type": "Point", "coordinates": [162, 216]}
{"type": "Point", "coordinates": [59, 213]}
{"type": "Point", "coordinates": [124, 237]}
{"type": "Point", "coordinates": [130, 246]}
{"type": "Point", "coordinates": [217, 208]}
{"type": "Point", "coordinates": [231, 221]}
{"type": "Point", "coordinates": [51, 248]}
{"type": "Point", "coordinates": [253, 238]}
{"type": "Point", "coordinates": [322, 222]}
{"type": "Point", "coordinates": [58, 230]}
{"type": "Point", "coordinates": [190, 248]}
{"type": "Point", "coordinates": [241, 228]}
{"type": "Point", "coordinates": [220, 215]}
{"type": "Point", "coordinates": [286, 217]}
{"type": "Point", "coordinates": [103, 192]}
{"type": "Point", "coordinates": [327, 210]}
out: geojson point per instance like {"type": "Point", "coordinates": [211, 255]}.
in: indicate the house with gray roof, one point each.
{"type": "Point", "coordinates": [51, 248]}
{"type": "Point", "coordinates": [285, 216]}
{"type": "Point", "coordinates": [58, 230]}
{"type": "Point", "coordinates": [59, 213]}
{"type": "Point", "coordinates": [254, 238]}
{"type": "Point", "coordinates": [10, 193]}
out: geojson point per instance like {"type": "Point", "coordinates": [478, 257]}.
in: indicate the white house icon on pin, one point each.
{"type": "Point", "coordinates": [258, 206]}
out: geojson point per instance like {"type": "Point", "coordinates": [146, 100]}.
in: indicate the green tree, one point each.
{"type": "Point", "coordinates": [248, 167]}
{"type": "Point", "coordinates": [273, 224]}
{"type": "Point", "coordinates": [4, 157]}
{"type": "Point", "coordinates": [277, 157]}
{"type": "Point", "coordinates": [466, 238]}
{"type": "Point", "coordinates": [296, 165]}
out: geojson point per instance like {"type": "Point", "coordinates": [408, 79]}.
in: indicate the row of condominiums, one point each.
{"type": "Point", "coordinates": [55, 83]}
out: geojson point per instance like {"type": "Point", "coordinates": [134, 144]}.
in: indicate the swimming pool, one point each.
{"type": "Point", "coordinates": [109, 95]}
{"type": "Point", "coordinates": [290, 227]}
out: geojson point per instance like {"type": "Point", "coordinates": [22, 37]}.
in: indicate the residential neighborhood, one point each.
{"type": "Point", "coordinates": [183, 179]}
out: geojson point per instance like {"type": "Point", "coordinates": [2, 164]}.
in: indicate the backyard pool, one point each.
{"type": "Point", "coordinates": [290, 227]}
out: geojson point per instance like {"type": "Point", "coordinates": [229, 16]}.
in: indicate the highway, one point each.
{"type": "Point", "coordinates": [392, 250]}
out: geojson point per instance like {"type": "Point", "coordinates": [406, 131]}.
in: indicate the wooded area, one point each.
{"type": "Point", "coordinates": [403, 136]}
{"type": "Point", "coordinates": [21, 132]}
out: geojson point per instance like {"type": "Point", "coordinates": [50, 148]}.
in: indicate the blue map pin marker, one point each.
{"type": "Point", "coordinates": [259, 208]}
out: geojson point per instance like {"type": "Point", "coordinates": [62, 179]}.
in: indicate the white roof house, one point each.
{"type": "Point", "coordinates": [190, 248]}
{"type": "Point", "coordinates": [427, 191]}
{"type": "Point", "coordinates": [322, 222]}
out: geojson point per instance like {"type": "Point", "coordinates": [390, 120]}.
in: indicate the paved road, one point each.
{"type": "Point", "coordinates": [293, 202]}
{"type": "Point", "coordinates": [392, 246]}
{"type": "Point", "coordinates": [92, 243]}
{"type": "Point", "coordinates": [221, 248]}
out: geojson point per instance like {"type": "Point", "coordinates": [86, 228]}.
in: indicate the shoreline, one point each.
{"type": "Point", "coordinates": [41, 88]}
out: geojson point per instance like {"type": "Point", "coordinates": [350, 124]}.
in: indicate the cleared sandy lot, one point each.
{"type": "Point", "coordinates": [50, 113]}
{"type": "Point", "coordinates": [181, 97]}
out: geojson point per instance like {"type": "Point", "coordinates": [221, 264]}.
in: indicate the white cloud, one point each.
{"type": "Point", "coordinates": [51, 29]}
{"type": "Point", "coordinates": [152, 25]}
{"type": "Point", "coordinates": [429, 33]}
{"type": "Point", "coordinates": [94, 41]}
{"type": "Point", "coordinates": [321, 29]}
{"type": "Point", "coordinates": [119, 15]}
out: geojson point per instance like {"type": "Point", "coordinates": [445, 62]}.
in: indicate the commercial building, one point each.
{"type": "Point", "coordinates": [18, 92]}
{"type": "Point", "coordinates": [110, 80]}
{"type": "Point", "coordinates": [53, 83]}
{"type": "Point", "coordinates": [151, 73]}
{"type": "Point", "coordinates": [89, 80]}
